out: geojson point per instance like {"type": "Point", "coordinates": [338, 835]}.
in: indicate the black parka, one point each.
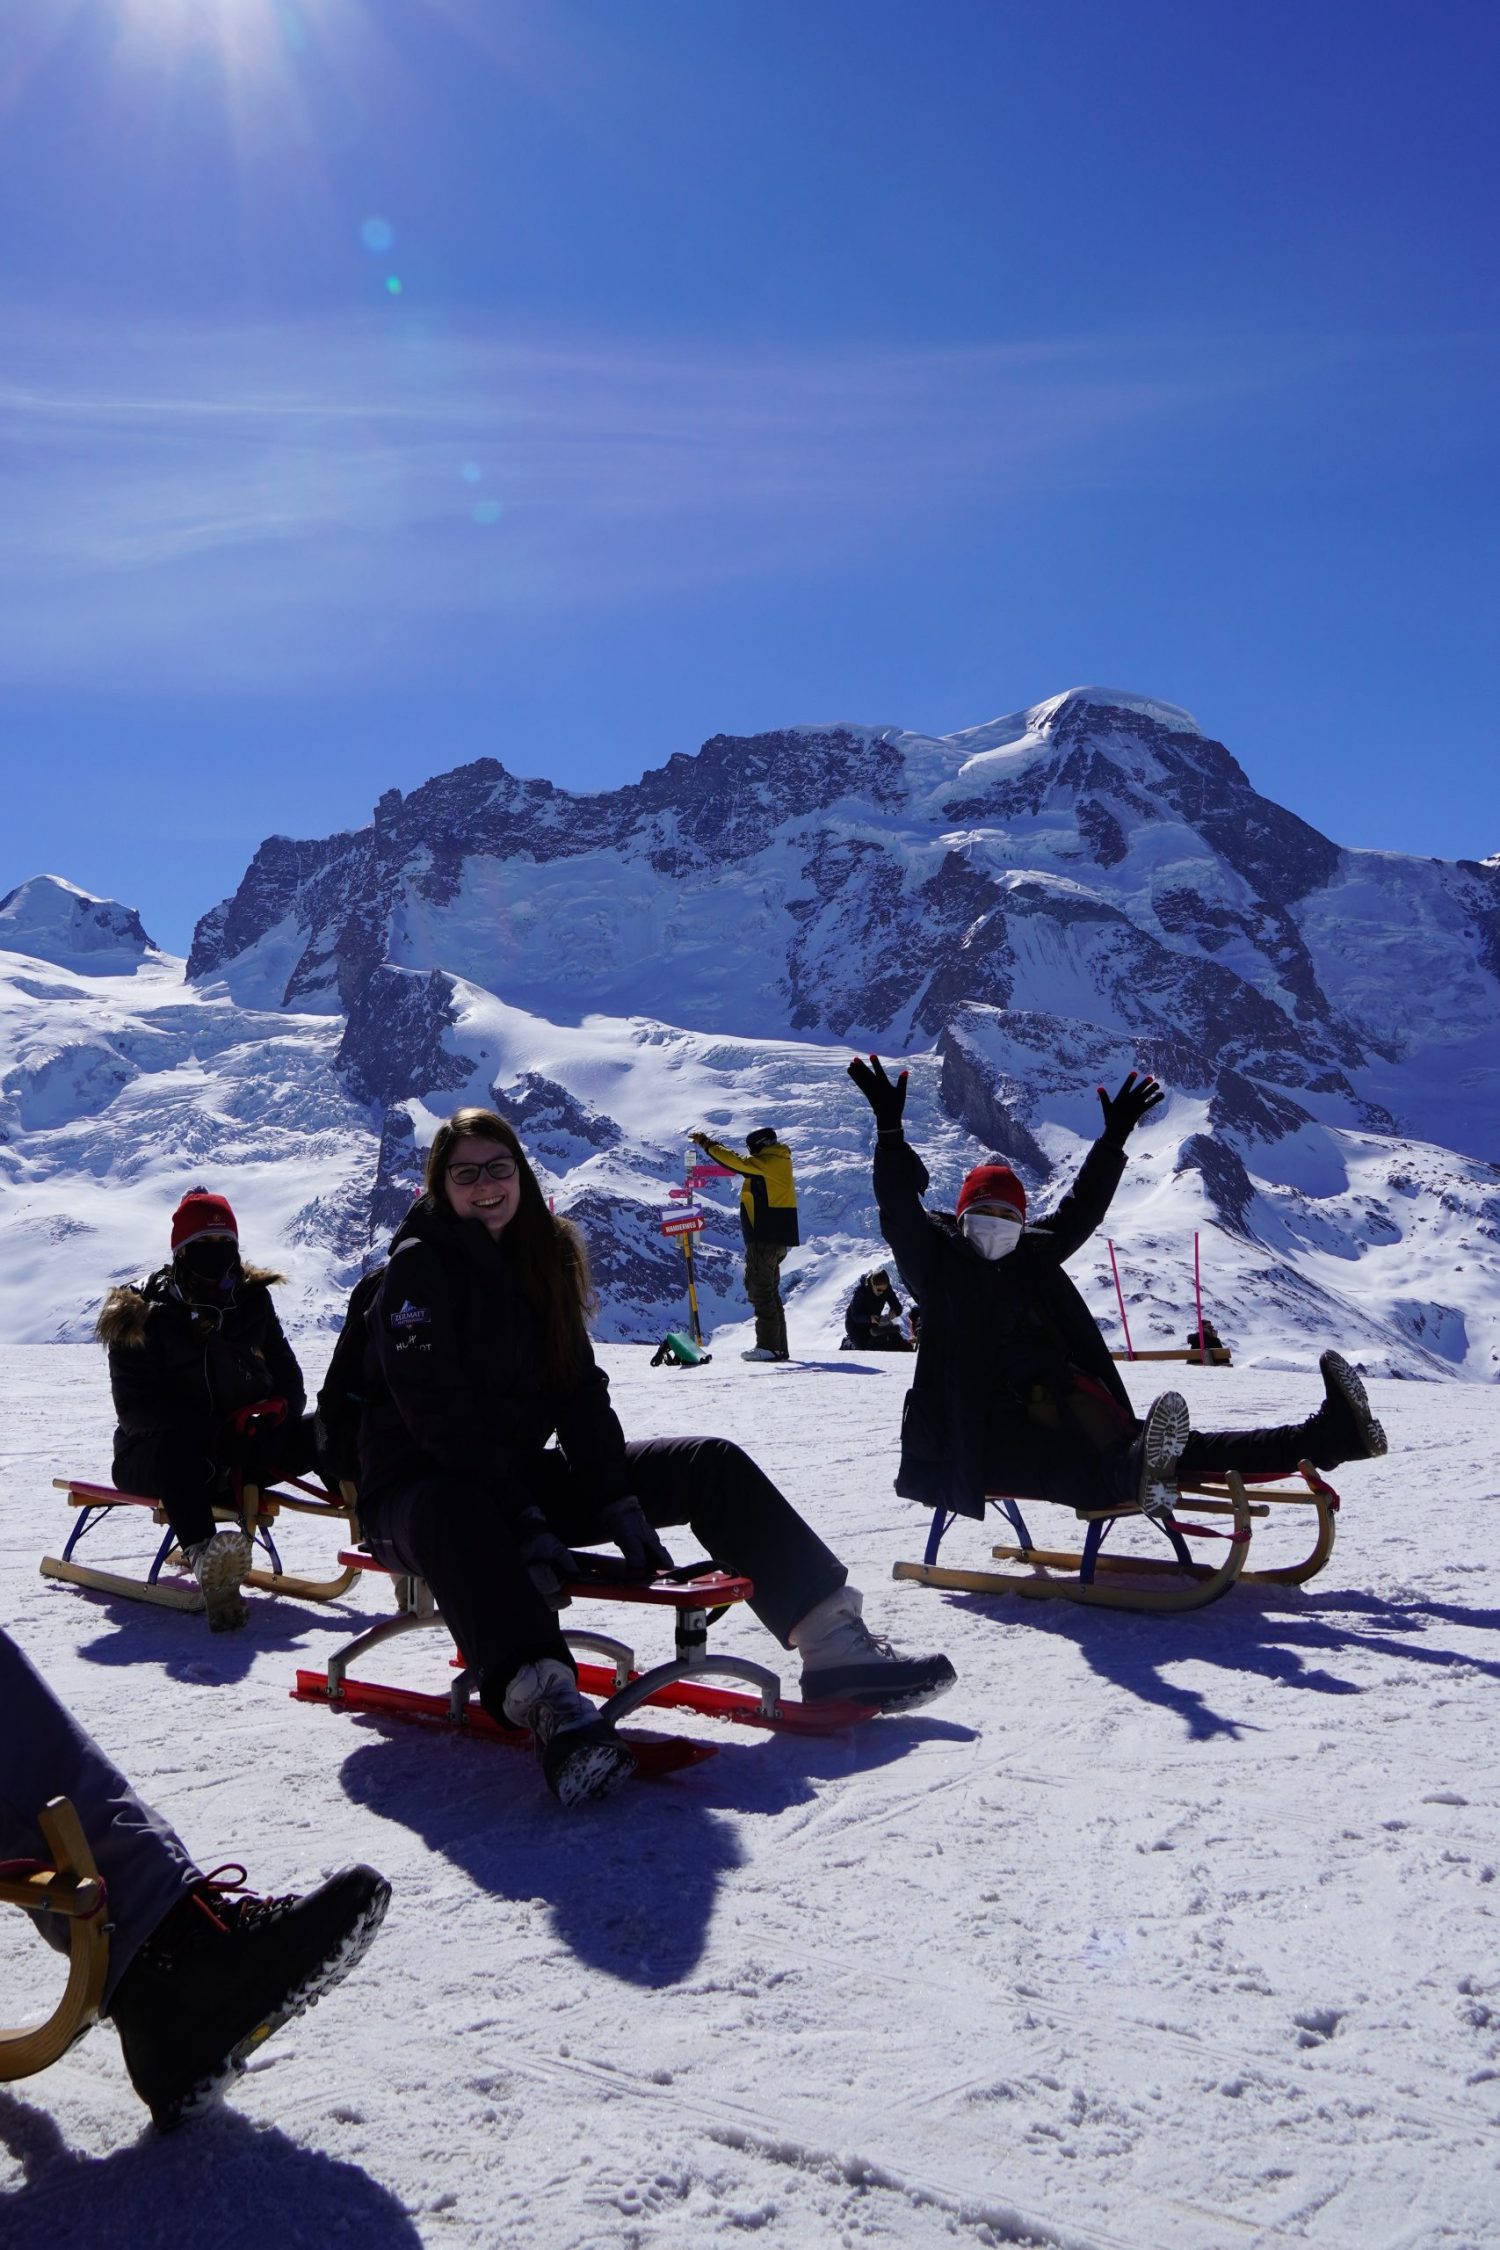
{"type": "Point", "coordinates": [990, 1329]}
{"type": "Point", "coordinates": [453, 1381]}
{"type": "Point", "coordinates": [178, 1365]}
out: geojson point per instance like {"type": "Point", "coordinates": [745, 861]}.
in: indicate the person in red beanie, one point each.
{"type": "Point", "coordinates": [205, 1384]}
{"type": "Point", "coordinates": [1015, 1391]}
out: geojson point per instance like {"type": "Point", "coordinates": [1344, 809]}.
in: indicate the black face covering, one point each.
{"type": "Point", "coordinates": [211, 1264]}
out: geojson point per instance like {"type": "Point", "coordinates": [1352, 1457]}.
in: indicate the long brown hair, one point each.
{"type": "Point", "coordinates": [552, 1264]}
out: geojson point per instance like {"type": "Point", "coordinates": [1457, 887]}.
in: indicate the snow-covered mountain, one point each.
{"type": "Point", "coordinates": [1023, 910]}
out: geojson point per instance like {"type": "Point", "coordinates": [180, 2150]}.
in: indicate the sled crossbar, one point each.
{"type": "Point", "coordinates": [694, 1598]}
{"type": "Point", "coordinates": [254, 1510]}
{"type": "Point", "coordinates": [1144, 1582]}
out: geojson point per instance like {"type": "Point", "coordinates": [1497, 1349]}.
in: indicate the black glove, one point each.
{"type": "Point", "coordinates": [1124, 1113]}
{"type": "Point", "coordinates": [886, 1096]}
{"type": "Point", "coordinates": [624, 1521]}
{"type": "Point", "coordinates": [549, 1563]}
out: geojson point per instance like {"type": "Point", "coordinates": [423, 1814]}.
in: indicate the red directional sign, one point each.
{"type": "Point", "coordinates": [702, 1172]}
{"type": "Point", "coordinates": [681, 1195]}
{"type": "Point", "coordinates": [683, 1222]}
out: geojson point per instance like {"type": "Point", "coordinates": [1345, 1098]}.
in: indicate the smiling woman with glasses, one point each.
{"type": "Point", "coordinates": [489, 1451]}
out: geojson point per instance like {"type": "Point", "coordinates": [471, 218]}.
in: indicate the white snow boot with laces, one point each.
{"type": "Point", "coordinates": [844, 1662]}
{"type": "Point", "coordinates": [582, 1756]}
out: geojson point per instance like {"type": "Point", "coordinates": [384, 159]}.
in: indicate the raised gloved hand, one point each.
{"type": "Point", "coordinates": [625, 1522]}
{"type": "Point", "coordinates": [1129, 1106]}
{"type": "Point", "coordinates": [549, 1563]}
{"type": "Point", "coordinates": [885, 1095]}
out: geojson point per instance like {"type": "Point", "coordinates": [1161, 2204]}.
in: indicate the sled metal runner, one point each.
{"type": "Point", "coordinates": [72, 1887]}
{"type": "Point", "coordinates": [255, 1512]}
{"type": "Point", "coordinates": [695, 1595]}
{"type": "Point", "coordinates": [1145, 1582]}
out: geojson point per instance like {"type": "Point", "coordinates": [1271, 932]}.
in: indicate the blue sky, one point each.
{"type": "Point", "coordinates": [388, 383]}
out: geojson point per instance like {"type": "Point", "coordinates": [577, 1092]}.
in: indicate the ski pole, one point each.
{"type": "Point", "coordinates": [1120, 1295]}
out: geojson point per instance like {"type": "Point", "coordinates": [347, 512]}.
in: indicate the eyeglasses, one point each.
{"type": "Point", "coordinates": [498, 1168]}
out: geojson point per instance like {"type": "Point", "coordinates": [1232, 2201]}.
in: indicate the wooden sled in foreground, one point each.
{"type": "Point", "coordinates": [1146, 1582]}
{"type": "Point", "coordinates": [256, 1511]}
{"type": "Point", "coordinates": [70, 1886]}
{"type": "Point", "coordinates": [696, 1596]}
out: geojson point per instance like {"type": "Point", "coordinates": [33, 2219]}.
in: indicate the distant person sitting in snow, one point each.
{"type": "Point", "coordinates": [477, 1358]}
{"type": "Point", "coordinates": [1015, 1391]}
{"type": "Point", "coordinates": [768, 1221]}
{"type": "Point", "coordinates": [200, 1970]}
{"type": "Point", "coordinates": [1204, 1339]}
{"type": "Point", "coordinates": [205, 1386]}
{"type": "Point", "coordinates": [872, 1317]}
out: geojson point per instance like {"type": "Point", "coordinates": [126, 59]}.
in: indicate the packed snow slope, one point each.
{"type": "Point", "coordinates": [1154, 1934]}
{"type": "Point", "coordinates": [1022, 910]}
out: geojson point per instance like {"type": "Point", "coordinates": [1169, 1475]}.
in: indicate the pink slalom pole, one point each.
{"type": "Point", "coordinates": [1198, 1301]}
{"type": "Point", "coordinates": [1120, 1297]}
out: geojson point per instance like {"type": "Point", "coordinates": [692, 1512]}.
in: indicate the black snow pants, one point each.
{"type": "Point", "coordinates": [191, 1471]}
{"type": "Point", "coordinates": [461, 1540]}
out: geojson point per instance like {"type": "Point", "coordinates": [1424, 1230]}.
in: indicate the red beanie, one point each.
{"type": "Point", "coordinates": [993, 1183]}
{"type": "Point", "coordinates": [201, 1213]}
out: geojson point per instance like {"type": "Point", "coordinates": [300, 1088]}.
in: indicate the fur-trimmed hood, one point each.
{"type": "Point", "coordinates": [127, 1307]}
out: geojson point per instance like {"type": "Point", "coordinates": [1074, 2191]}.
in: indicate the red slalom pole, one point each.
{"type": "Point", "coordinates": [1198, 1301]}
{"type": "Point", "coordinates": [1120, 1296]}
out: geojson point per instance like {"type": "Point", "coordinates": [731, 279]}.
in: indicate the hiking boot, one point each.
{"type": "Point", "coordinates": [223, 1971]}
{"type": "Point", "coordinates": [1346, 1415]}
{"type": "Point", "coordinates": [582, 1756]}
{"type": "Point", "coordinates": [219, 1564]}
{"type": "Point", "coordinates": [844, 1662]}
{"type": "Point", "coordinates": [1157, 1451]}
{"type": "Point", "coordinates": [762, 1351]}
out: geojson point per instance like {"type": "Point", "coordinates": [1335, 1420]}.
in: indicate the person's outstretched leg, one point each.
{"type": "Point", "coordinates": [197, 1976]}
{"type": "Point", "coordinates": [801, 1592]}
{"type": "Point", "coordinates": [45, 1753]}
{"type": "Point", "coordinates": [1343, 1429]}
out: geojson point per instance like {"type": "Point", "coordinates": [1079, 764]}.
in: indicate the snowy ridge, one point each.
{"type": "Point", "coordinates": [1023, 910]}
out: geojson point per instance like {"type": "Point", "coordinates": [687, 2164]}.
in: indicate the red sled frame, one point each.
{"type": "Point", "coordinates": [696, 1597]}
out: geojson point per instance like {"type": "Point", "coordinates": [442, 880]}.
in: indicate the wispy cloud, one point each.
{"type": "Point", "coordinates": [273, 506]}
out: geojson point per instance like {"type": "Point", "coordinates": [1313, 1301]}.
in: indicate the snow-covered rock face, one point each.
{"type": "Point", "coordinates": [52, 920]}
{"type": "Point", "coordinates": [1034, 906]}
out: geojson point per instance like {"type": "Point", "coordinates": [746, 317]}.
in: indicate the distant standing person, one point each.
{"type": "Point", "coordinates": [768, 1219]}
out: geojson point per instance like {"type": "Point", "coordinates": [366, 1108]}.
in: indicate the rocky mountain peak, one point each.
{"type": "Point", "coordinates": [53, 920]}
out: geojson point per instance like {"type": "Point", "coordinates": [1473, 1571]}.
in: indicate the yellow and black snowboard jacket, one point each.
{"type": "Point", "coordinates": [768, 1195]}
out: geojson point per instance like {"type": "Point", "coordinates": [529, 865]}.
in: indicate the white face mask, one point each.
{"type": "Point", "coordinates": [993, 1233]}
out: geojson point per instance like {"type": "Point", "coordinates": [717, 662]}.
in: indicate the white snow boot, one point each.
{"type": "Point", "coordinates": [844, 1662]}
{"type": "Point", "coordinates": [582, 1756]}
{"type": "Point", "coordinates": [219, 1564]}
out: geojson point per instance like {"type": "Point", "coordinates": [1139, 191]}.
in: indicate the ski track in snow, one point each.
{"type": "Point", "coordinates": [1155, 1932]}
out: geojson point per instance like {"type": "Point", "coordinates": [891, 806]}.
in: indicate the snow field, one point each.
{"type": "Point", "coordinates": [1168, 1933]}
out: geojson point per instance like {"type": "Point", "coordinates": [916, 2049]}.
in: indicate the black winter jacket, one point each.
{"type": "Point", "coordinates": [452, 1381]}
{"type": "Point", "coordinates": [991, 1328]}
{"type": "Point", "coordinates": [176, 1364]}
{"type": "Point", "coordinates": [868, 1309]}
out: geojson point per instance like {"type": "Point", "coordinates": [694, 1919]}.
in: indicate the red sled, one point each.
{"type": "Point", "coordinates": [696, 1596]}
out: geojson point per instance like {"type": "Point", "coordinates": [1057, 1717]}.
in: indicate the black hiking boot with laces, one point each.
{"type": "Point", "coordinates": [223, 1970]}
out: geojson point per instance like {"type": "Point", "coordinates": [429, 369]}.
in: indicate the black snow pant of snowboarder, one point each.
{"type": "Point", "coordinates": [45, 1753]}
{"type": "Point", "coordinates": [462, 1541]}
{"type": "Point", "coordinates": [1074, 1447]}
{"type": "Point", "coordinates": [763, 1262]}
{"type": "Point", "coordinates": [191, 1471]}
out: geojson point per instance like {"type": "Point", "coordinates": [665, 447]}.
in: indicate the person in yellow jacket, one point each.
{"type": "Point", "coordinates": [768, 1220]}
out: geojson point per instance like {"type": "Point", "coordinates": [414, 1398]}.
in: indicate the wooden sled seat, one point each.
{"type": "Point", "coordinates": [1217, 1355]}
{"type": "Point", "coordinates": [70, 1885]}
{"type": "Point", "coordinates": [695, 1596]}
{"type": "Point", "coordinates": [1144, 1582]}
{"type": "Point", "coordinates": [255, 1510]}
